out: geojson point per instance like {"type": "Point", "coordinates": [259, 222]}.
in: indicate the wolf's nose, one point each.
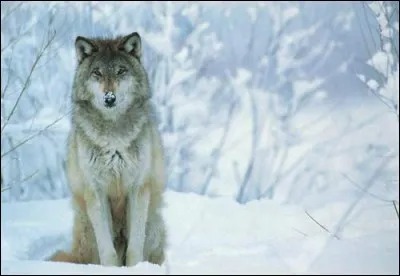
{"type": "Point", "coordinates": [109, 98]}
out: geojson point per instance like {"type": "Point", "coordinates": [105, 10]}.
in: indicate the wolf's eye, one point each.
{"type": "Point", "coordinates": [121, 71]}
{"type": "Point", "coordinates": [96, 72]}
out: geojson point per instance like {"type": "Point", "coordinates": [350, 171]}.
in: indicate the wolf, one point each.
{"type": "Point", "coordinates": [115, 158]}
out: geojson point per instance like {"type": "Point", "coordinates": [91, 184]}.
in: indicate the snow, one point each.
{"type": "Point", "coordinates": [302, 87]}
{"type": "Point", "coordinates": [243, 76]}
{"type": "Point", "coordinates": [373, 84]}
{"type": "Point", "coordinates": [379, 60]}
{"type": "Point", "coordinates": [290, 13]}
{"type": "Point", "coordinates": [252, 11]}
{"type": "Point", "coordinates": [179, 76]}
{"type": "Point", "coordinates": [218, 235]}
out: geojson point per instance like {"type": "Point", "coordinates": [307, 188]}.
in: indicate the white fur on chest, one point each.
{"type": "Point", "coordinates": [110, 163]}
{"type": "Point", "coordinates": [115, 159]}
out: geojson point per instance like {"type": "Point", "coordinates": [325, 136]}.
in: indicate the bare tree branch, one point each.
{"type": "Point", "coordinates": [34, 135]}
{"type": "Point", "coordinates": [369, 183]}
{"type": "Point", "coordinates": [11, 10]}
{"type": "Point", "coordinates": [219, 148]}
{"type": "Point", "coordinates": [362, 189]}
{"type": "Point", "coordinates": [27, 82]}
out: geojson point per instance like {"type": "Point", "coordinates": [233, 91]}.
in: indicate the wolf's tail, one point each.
{"type": "Point", "coordinates": [62, 256]}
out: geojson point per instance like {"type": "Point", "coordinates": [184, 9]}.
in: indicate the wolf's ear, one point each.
{"type": "Point", "coordinates": [84, 48]}
{"type": "Point", "coordinates": [132, 44]}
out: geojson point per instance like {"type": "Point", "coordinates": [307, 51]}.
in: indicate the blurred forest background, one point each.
{"type": "Point", "coordinates": [293, 101]}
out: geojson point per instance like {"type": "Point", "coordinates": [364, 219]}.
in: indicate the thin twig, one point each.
{"type": "Point", "coordinates": [323, 227]}
{"type": "Point", "coordinates": [395, 207]}
{"type": "Point", "coordinates": [27, 178]}
{"type": "Point", "coordinates": [34, 135]}
{"type": "Point", "coordinates": [28, 79]}
{"type": "Point", "coordinates": [361, 188]}
{"type": "Point", "coordinates": [11, 10]}
{"type": "Point", "coordinates": [369, 183]}
{"type": "Point", "coordinates": [298, 231]}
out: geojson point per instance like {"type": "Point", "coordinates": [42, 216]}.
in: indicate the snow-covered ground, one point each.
{"type": "Point", "coordinates": [219, 236]}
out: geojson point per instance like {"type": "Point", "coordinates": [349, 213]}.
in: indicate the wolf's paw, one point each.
{"type": "Point", "coordinates": [133, 258]}
{"type": "Point", "coordinates": [157, 257]}
{"type": "Point", "coordinates": [110, 259]}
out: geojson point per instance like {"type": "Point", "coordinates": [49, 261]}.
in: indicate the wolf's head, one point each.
{"type": "Point", "coordinates": [110, 75]}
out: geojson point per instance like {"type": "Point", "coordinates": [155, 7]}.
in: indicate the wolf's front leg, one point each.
{"type": "Point", "coordinates": [138, 204]}
{"type": "Point", "coordinates": [100, 217]}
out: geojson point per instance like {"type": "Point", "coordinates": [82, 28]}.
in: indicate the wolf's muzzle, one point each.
{"type": "Point", "coordinates": [109, 99]}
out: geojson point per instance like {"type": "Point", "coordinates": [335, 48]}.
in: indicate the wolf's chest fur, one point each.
{"type": "Point", "coordinates": [110, 160]}
{"type": "Point", "coordinates": [115, 162]}
{"type": "Point", "coordinates": [119, 165]}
